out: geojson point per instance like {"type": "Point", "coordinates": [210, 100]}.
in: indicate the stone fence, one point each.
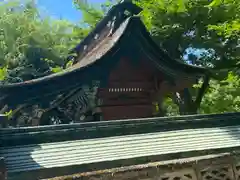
{"type": "Point", "coordinates": [209, 167]}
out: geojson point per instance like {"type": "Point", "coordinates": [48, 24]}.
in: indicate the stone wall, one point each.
{"type": "Point", "coordinates": [211, 167]}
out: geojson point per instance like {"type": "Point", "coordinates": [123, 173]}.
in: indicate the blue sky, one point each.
{"type": "Point", "coordinates": [63, 8]}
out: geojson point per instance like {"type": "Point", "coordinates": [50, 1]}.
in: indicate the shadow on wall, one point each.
{"type": "Point", "coordinates": [233, 131]}
{"type": "Point", "coordinates": [22, 161]}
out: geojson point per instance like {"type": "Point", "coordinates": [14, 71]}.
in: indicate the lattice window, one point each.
{"type": "Point", "coordinates": [218, 173]}
{"type": "Point", "coordinates": [185, 174]}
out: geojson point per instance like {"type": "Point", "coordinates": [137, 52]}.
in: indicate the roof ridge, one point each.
{"type": "Point", "coordinates": [110, 22]}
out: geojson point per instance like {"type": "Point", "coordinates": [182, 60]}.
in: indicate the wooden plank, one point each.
{"type": "Point", "coordinates": [126, 112]}
{"type": "Point", "coordinates": [3, 121]}
{"type": "Point", "coordinates": [2, 169]}
{"type": "Point", "coordinates": [115, 93]}
{"type": "Point", "coordinates": [131, 84]}
{"type": "Point", "coordinates": [130, 75]}
{"type": "Point", "coordinates": [114, 101]}
{"type": "Point", "coordinates": [127, 71]}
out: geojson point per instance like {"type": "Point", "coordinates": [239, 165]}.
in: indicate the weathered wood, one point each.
{"type": "Point", "coordinates": [2, 169]}
{"type": "Point", "coordinates": [3, 121]}
{"type": "Point", "coordinates": [115, 92]}
{"type": "Point", "coordinates": [126, 112]}
{"type": "Point", "coordinates": [130, 91]}
{"type": "Point", "coordinates": [129, 71]}
{"type": "Point", "coordinates": [128, 102]}
{"type": "Point", "coordinates": [131, 84]}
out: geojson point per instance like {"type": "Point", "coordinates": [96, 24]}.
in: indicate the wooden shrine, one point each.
{"type": "Point", "coordinates": [119, 73]}
{"type": "Point", "coordinates": [130, 92]}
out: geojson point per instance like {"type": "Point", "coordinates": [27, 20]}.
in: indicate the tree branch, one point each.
{"type": "Point", "coordinates": [202, 91]}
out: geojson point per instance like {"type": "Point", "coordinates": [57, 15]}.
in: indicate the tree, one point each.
{"type": "Point", "coordinates": [183, 24]}
{"type": "Point", "coordinates": [31, 45]}
{"type": "Point", "coordinates": [93, 14]}
{"type": "Point", "coordinates": [222, 96]}
{"type": "Point", "coordinates": [197, 31]}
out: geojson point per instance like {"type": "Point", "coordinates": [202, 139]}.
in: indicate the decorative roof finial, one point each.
{"type": "Point", "coordinates": [125, 1]}
{"type": "Point", "coordinates": [130, 6]}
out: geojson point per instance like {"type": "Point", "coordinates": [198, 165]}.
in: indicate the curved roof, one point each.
{"type": "Point", "coordinates": [68, 78]}
{"type": "Point", "coordinates": [105, 46]}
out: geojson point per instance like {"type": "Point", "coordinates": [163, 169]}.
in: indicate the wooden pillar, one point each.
{"type": "Point", "coordinates": [3, 124]}
{"type": "Point", "coordinates": [3, 121]}
{"type": "Point", "coordinates": [3, 171]}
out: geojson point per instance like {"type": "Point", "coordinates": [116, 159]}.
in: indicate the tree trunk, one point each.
{"type": "Point", "coordinates": [185, 101]}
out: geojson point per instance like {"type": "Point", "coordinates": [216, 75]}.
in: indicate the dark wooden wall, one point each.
{"type": "Point", "coordinates": [130, 91]}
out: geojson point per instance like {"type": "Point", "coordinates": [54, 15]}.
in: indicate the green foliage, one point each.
{"type": "Point", "coordinates": [228, 29]}
{"type": "Point", "coordinates": [223, 96]}
{"type": "Point", "coordinates": [31, 45]}
{"type": "Point", "coordinates": [212, 28]}
{"type": "Point", "coordinates": [91, 15]}
{"type": "Point", "coordinates": [69, 64]}
{"type": "Point", "coordinates": [170, 107]}
{"type": "Point", "coordinates": [3, 73]}
{"type": "Point", "coordinates": [9, 114]}
{"type": "Point", "coordinates": [56, 69]}
{"type": "Point", "coordinates": [197, 24]}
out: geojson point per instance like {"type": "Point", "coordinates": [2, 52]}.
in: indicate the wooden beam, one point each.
{"type": "Point", "coordinates": [3, 121]}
